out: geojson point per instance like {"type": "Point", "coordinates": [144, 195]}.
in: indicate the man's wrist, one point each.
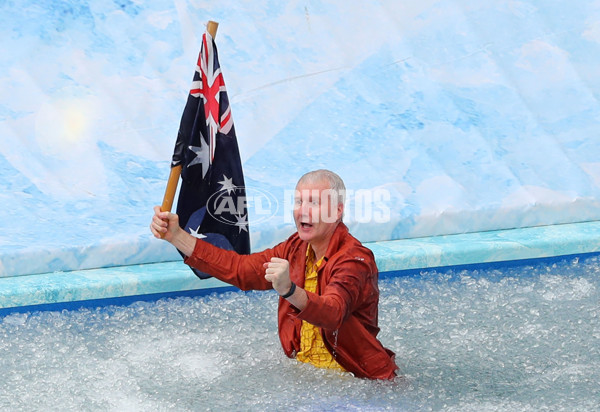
{"type": "Point", "coordinates": [289, 292]}
{"type": "Point", "coordinates": [185, 242]}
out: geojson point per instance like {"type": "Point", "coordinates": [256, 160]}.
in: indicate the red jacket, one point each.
{"type": "Point", "coordinates": [345, 306]}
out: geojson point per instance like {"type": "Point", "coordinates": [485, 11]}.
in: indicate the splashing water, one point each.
{"type": "Point", "coordinates": [520, 338]}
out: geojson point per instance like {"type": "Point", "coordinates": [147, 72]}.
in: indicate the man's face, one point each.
{"type": "Point", "coordinates": [316, 211]}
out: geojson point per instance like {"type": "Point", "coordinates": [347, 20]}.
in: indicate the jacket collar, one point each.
{"type": "Point", "coordinates": [336, 239]}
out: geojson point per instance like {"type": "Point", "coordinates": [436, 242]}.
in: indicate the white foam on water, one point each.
{"type": "Point", "coordinates": [520, 338]}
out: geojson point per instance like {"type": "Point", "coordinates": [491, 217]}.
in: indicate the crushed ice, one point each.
{"type": "Point", "coordinates": [522, 338]}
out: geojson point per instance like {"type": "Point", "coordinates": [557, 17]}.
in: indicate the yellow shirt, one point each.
{"type": "Point", "coordinates": [312, 347]}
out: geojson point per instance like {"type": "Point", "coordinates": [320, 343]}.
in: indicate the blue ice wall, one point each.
{"type": "Point", "coordinates": [469, 116]}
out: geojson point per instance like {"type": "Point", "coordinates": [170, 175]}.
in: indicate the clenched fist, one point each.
{"type": "Point", "coordinates": [277, 271]}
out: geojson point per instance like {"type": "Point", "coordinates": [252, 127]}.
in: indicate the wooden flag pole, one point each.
{"type": "Point", "coordinates": [173, 181]}
{"type": "Point", "coordinates": [211, 27]}
{"type": "Point", "coordinates": [167, 203]}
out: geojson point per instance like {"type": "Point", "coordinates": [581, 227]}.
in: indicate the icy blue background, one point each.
{"type": "Point", "coordinates": [474, 115]}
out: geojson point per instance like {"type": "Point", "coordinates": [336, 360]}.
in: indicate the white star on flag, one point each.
{"type": "Point", "coordinates": [202, 156]}
{"type": "Point", "coordinates": [242, 223]}
{"type": "Point", "coordinates": [227, 184]}
{"type": "Point", "coordinates": [196, 234]}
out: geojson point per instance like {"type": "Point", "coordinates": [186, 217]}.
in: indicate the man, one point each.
{"type": "Point", "coordinates": [327, 281]}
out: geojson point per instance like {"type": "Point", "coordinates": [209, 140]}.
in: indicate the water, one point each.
{"type": "Point", "coordinates": [524, 338]}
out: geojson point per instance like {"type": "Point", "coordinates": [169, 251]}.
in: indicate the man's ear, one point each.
{"type": "Point", "coordinates": [340, 212]}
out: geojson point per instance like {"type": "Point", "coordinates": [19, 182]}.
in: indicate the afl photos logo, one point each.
{"type": "Point", "coordinates": [233, 206]}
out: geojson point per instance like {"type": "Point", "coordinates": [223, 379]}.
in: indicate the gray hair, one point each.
{"type": "Point", "coordinates": [335, 182]}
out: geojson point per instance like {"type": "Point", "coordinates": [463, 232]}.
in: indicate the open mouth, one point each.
{"type": "Point", "coordinates": [305, 225]}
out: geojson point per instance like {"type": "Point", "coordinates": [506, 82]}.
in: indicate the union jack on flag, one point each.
{"type": "Point", "coordinates": [209, 85]}
{"type": "Point", "coordinates": [207, 150]}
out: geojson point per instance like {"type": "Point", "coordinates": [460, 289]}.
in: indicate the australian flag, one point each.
{"type": "Point", "coordinates": [212, 196]}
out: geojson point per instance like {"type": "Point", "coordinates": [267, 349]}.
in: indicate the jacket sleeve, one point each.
{"type": "Point", "coordinates": [341, 296]}
{"type": "Point", "coordinates": [243, 271]}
